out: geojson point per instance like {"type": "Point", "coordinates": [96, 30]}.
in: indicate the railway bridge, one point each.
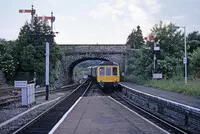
{"type": "Point", "coordinates": [76, 53]}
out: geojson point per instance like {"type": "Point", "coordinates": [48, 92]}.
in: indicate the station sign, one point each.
{"type": "Point", "coordinates": [184, 60]}
{"type": "Point", "coordinates": [156, 48]}
{"type": "Point", "coordinates": [20, 84]}
{"type": "Point", "coordinates": [157, 75]}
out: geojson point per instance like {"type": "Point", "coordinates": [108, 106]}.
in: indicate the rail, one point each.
{"type": "Point", "coordinates": [148, 115]}
{"type": "Point", "coordinates": [46, 120]}
{"type": "Point", "coordinates": [11, 99]}
{"type": "Point", "coordinates": [182, 116]}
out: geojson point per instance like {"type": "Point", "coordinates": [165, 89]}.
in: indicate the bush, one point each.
{"type": "Point", "coordinates": [195, 62]}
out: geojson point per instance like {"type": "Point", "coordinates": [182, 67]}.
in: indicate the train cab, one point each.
{"type": "Point", "coordinates": [108, 74]}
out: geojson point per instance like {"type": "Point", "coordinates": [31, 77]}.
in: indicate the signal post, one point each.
{"type": "Point", "coordinates": [49, 38]}
{"type": "Point", "coordinates": [156, 49]}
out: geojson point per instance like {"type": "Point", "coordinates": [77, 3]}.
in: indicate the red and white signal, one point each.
{"type": "Point", "coordinates": [150, 38]}
{"type": "Point", "coordinates": [52, 18]}
{"type": "Point", "coordinates": [25, 11]}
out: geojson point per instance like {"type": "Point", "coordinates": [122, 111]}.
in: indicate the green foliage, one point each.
{"type": "Point", "coordinates": [135, 39]}
{"type": "Point", "coordinates": [195, 62]}
{"type": "Point", "coordinates": [7, 63]}
{"type": "Point", "coordinates": [30, 49]}
{"type": "Point", "coordinates": [27, 58]}
{"type": "Point", "coordinates": [172, 49]}
{"type": "Point", "coordinates": [140, 64]}
{"type": "Point", "coordinates": [169, 60]}
{"type": "Point", "coordinates": [193, 41]}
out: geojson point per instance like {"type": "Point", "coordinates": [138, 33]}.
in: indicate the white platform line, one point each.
{"type": "Point", "coordinates": [176, 103]}
{"type": "Point", "coordinates": [19, 115]}
{"type": "Point", "coordinates": [140, 116]}
{"type": "Point", "coordinates": [64, 116]}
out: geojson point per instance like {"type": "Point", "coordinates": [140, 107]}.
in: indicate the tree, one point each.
{"type": "Point", "coordinates": [30, 49]}
{"type": "Point", "coordinates": [172, 49]}
{"type": "Point", "coordinates": [193, 41]}
{"type": "Point", "coordinates": [195, 62]}
{"type": "Point", "coordinates": [135, 39]}
{"type": "Point", "coordinates": [7, 62]}
{"type": "Point", "coordinates": [139, 65]}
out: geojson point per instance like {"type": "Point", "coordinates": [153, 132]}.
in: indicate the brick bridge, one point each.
{"type": "Point", "coordinates": [76, 53]}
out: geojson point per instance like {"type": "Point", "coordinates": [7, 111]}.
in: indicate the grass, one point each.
{"type": "Point", "coordinates": [176, 84]}
{"type": "Point", "coordinates": [192, 88]}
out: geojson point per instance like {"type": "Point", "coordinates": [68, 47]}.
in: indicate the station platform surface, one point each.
{"type": "Point", "coordinates": [103, 115]}
{"type": "Point", "coordinates": [172, 96]}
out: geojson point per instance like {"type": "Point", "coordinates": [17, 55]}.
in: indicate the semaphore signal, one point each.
{"type": "Point", "coordinates": [31, 11]}
{"type": "Point", "coordinates": [150, 38]}
{"type": "Point", "coordinates": [52, 18]}
{"type": "Point", "coordinates": [25, 11]}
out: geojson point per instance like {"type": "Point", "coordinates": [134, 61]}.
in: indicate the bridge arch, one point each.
{"type": "Point", "coordinates": [77, 53]}
{"type": "Point", "coordinates": [74, 63]}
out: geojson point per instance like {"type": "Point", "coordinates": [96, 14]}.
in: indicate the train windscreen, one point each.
{"type": "Point", "coordinates": [114, 71]}
{"type": "Point", "coordinates": [101, 70]}
{"type": "Point", "coordinates": [108, 71]}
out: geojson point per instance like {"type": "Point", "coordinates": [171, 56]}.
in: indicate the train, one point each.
{"type": "Point", "coordinates": [106, 74]}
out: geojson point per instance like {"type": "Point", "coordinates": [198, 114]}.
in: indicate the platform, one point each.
{"type": "Point", "coordinates": [173, 96]}
{"type": "Point", "coordinates": [103, 115]}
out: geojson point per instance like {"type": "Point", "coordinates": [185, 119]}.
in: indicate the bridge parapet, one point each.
{"type": "Point", "coordinates": [106, 48]}
{"type": "Point", "coordinates": [76, 53]}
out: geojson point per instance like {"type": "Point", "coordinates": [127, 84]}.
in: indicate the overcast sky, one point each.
{"type": "Point", "coordinates": [99, 21]}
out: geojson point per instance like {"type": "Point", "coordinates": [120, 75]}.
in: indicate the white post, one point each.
{"type": "Point", "coordinates": [185, 55]}
{"type": "Point", "coordinates": [47, 70]}
{"type": "Point", "coordinates": [154, 57]}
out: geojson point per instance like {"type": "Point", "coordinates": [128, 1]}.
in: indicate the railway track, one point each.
{"type": "Point", "coordinates": [12, 99]}
{"type": "Point", "coordinates": [8, 91]}
{"type": "Point", "coordinates": [46, 121]}
{"type": "Point", "coordinates": [94, 91]}
{"type": "Point", "coordinates": [158, 121]}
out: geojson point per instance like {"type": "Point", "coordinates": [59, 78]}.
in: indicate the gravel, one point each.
{"type": "Point", "coordinates": [15, 109]}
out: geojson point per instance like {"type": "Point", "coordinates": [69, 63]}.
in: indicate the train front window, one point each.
{"type": "Point", "coordinates": [101, 71]}
{"type": "Point", "coordinates": [114, 71]}
{"type": "Point", "coordinates": [108, 71]}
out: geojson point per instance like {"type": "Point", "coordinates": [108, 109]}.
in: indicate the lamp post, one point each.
{"type": "Point", "coordinates": [185, 57]}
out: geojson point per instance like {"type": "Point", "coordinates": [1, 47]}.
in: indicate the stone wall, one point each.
{"type": "Point", "coordinates": [88, 48]}
{"type": "Point", "coordinates": [61, 78]}
{"type": "Point", "coordinates": [187, 118]}
{"type": "Point", "coordinates": [76, 53]}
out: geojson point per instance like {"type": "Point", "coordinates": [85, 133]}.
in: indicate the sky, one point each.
{"type": "Point", "coordinates": [99, 21]}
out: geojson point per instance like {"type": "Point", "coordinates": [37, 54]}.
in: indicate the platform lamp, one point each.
{"type": "Point", "coordinates": [185, 56]}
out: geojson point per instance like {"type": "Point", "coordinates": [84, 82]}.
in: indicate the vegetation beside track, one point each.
{"type": "Point", "coordinates": [192, 88]}
{"type": "Point", "coordinates": [169, 60]}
